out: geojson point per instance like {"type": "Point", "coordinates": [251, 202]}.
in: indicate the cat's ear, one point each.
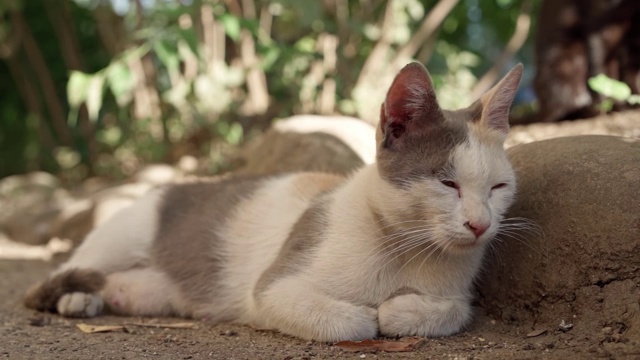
{"type": "Point", "coordinates": [410, 104]}
{"type": "Point", "coordinates": [496, 102]}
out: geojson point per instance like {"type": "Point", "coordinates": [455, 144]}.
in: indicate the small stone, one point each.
{"type": "Point", "coordinates": [362, 356]}
{"type": "Point", "coordinates": [564, 327]}
{"type": "Point", "coordinates": [40, 321]}
{"type": "Point", "coordinates": [607, 330]}
{"type": "Point", "coordinates": [538, 332]}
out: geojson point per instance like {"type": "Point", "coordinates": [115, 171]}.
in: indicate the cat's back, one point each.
{"type": "Point", "coordinates": [220, 236]}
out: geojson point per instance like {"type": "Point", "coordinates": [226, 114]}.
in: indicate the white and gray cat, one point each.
{"type": "Point", "coordinates": [391, 250]}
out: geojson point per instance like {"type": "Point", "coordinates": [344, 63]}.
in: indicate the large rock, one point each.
{"type": "Point", "coordinates": [335, 144]}
{"type": "Point", "coordinates": [584, 193]}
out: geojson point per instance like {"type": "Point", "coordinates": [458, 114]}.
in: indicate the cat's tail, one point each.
{"type": "Point", "coordinates": [44, 296]}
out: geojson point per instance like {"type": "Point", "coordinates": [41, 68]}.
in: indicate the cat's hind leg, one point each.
{"type": "Point", "coordinates": [120, 244]}
{"type": "Point", "coordinates": [143, 292]}
{"type": "Point", "coordinates": [71, 293]}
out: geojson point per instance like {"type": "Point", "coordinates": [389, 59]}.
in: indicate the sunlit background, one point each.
{"type": "Point", "coordinates": [101, 87]}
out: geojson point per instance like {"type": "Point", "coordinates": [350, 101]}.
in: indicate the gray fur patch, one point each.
{"type": "Point", "coordinates": [306, 234]}
{"type": "Point", "coordinates": [186, 240]}
{"type": "Point", "coordinates": [426, 152]}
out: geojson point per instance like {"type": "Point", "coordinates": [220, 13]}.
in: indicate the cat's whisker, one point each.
{"type": "Point", "coordinates": [517, 237]}
{"type": "Point", "coordinates": [433, 244]}
{"type": "Point", "coordinates": [436, 248]}
{"type": "Point", "coordinates": [414, 243]}
{"type": "Point", "coordinates": [494, 250]}
{"type": "Point", "coordinates": [447, 244]}
{"type": "Point", "coordinates": [523, 227]}
{"type": "Point", "coordinates": [404, 248]}
{"type": "Point", "coordinates": [395, 224]}
{"type": "Point", "coordinates": [521, 223]}
{"type": "Point", "coordinates": [397, 238]}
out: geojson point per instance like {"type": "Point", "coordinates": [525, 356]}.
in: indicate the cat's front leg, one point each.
{"type": "Point", "coordinates": [423, 315]}
{"type": "Point", "coordinates": [297, 308]}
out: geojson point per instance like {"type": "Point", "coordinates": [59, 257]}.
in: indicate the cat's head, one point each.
{"type": "Point", "coordinates": [447, 172]}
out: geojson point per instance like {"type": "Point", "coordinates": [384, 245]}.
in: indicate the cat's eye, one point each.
{"type": "Point", "coordinates": [450, 184]}
{"type": "Point", "coordinates": [499, 186]}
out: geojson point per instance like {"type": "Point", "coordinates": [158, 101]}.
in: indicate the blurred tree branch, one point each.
{"type": "Point", "coordinates": [517, 40]}
{"type": "Point", "coordinates": [428, 27]}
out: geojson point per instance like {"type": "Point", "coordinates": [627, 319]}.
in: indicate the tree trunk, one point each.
{"type": "Point", "coordinates": [62, 22]}
{"type": "Point", "coordinates": [54, 105]}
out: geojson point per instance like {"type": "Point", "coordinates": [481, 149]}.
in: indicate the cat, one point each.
{"type": "Point", "coordinates": [391, 250]}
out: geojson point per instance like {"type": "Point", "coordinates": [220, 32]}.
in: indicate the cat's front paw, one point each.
{"type": "Point", "coordinates": [421, 315]}
{"type": "Point", "coordinates": [346, 322]}
{"type": "Point", "coordinates": [79, 304]}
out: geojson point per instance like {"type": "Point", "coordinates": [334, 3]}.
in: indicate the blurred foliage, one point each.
{"type": "Point", "coordinates": [99, 87]}
{"type": "Point", "coordinates": [612, 90]}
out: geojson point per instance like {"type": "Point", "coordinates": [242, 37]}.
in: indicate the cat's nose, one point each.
{"type": "Point", "coordinates": [477, 228]}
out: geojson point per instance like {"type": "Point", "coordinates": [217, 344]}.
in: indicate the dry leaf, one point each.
{"type": "Point", "coordinates": [90, 329]}
{"type": "Point", "coordinates": [182, 325]}
{"type": "Point", "coordinates": [535, 333]}
{"type": "Point", "coordinates": [402, 345]}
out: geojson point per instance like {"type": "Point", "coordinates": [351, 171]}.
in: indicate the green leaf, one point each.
{"type": "Point", "coordinates": [609, 87]}
{"type": "Point", "coordinates": [77, 88]}
{"type": "Point", "coordinates": [94, 96]}
{"type": "Point", "coordinates": [234, 136]}
{"type": "Point", "coordinates": [231, 26]}
{"type": "Point", "coordinates": [121, 82]}
{"type": "Point", "coordinates": [168, 54]}
{"type": "Point", "coordinates": [307, 44]}
{"type": "Point", "coordinates": [634, 99]}
{"type": "Point", "coordinates": [270, 56]}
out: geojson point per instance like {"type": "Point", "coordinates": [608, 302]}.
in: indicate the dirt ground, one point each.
{"type": "Point", "coordinates": [26, 334]}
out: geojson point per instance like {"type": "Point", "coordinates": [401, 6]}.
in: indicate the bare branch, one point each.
{"type": "Point", "coordinates": [429, 25]}
{"type": "Point", "coordinates": [266, 19]}
{"type": "Point", "coordinates": [257, 100]}
{"type": "Point", "coordinates": [376, 59]}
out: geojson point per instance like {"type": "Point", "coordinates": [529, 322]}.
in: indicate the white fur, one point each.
{"type": "Point", "coordinates": [397, 260]}
{"type": "Point", "coordinates": [253, 237]}
{"type": "Point", "coordinates": [78, 304]}
{"type": "Point", "coordinates": [349, 266]}
{"type": "Point", "coordinates": [346, 289]}
{"type": "Point", "coordinates": [122, 242]}
{"type": "Point", "coordinates": [143, 291]}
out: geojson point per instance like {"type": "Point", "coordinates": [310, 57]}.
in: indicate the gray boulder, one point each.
{"type": "Point", "coordinates": [584, 194]}
{"type": "Point", "coordinates": [335, 144]}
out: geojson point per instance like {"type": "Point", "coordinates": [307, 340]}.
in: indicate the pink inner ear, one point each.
{"type": "Point", "coordinates": [410, 93]}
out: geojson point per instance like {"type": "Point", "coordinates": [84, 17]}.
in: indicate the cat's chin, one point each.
{"type": "Point", "coordinates": [464, 247]}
